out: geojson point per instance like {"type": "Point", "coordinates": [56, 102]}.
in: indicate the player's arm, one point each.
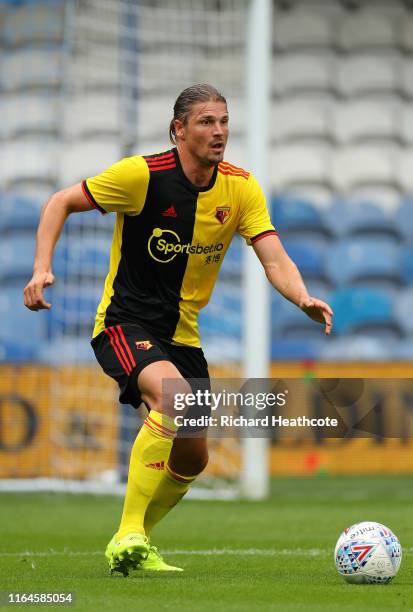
{"type": "Point", "coordinates": [284, 276]}
{"type": "Point", "coordinates": [52, 218]}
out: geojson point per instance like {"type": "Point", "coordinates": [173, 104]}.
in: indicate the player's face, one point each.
{"type": "Point", "coordinates": [206, 132]}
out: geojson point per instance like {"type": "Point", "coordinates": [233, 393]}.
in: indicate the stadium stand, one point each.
{"type": "Point", "coordinates": [340, 166]}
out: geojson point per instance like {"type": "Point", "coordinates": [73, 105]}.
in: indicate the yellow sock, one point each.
{"type": "Point", "coordinates": [149, 456]}
{"type": "Point", "coordinates": [170, 490]}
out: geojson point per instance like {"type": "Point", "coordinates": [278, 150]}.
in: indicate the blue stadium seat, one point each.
{"type": "Point", "coordinates": [22, 332]}
{"type": "Point", "coordinates": [294, 216]}
{"type": "Point", "coordinates": [91, 222]}
{"type": "Point", "coordinates": [406, 263]}
{"type": "Point", "coordinates": [73, 309]}
{"type": "Point", "coordinates": [223, 314]}
{"type": "Point", "coordinates": [403, 308]}
{"type": "Point", "coordinates": [82, 259]}
{"type": "Point", "coordinates": [367, 312]}
{"type": "Point", "coordinates": [403, 219]}
{"type": "Point", "coordinates": [16, 258]}
{"type": "Point", "coordinates": [310, 258]}
{"type": "Point", "coordinates": [361, 218]}
{"type": "Point", "coordinates": [18, 213]}
{"type": "Point", "coordinates": [354, 348]}
{"type": "Point", "coordinates": [232, 264]}
{"type": "Point", "coordinates": [366, 261]}
{"type": "Point", "coordinates": [295, 349]}
{"type": "Point", "coordinates": [289, 322]}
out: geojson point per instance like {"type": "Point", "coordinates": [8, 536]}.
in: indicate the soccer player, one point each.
{"type": "Point", "coordinates": [176, 213]}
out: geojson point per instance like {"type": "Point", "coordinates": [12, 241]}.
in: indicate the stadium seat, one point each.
{"type": "Point", "coordinates": [365, 261]}
{"type": "Point", "coordinates": [66, 349]}
{"type": "Point", "coordinates": [403, 219]}
{"type": "Point", "coordinates": [310, 258]}
{"type": "Point", "coordinates": [85, 158]}
{"type": "Point", "coordinates": [289, 322]}
{"type": "Point", "coordinates": [361, 218]}
{"type": "Point", "coordinates": [219, 68]}
{"type": "Point", "coordinates": [31, 68]}
{"type": "Point", "coordinates": [18, 214]}
{"type": "Point", "coordinates": [296, 164]}
{"type": "Point", "coordinates": [294, 217]}
{"type": "Point", "coordinates": [97, 71]}
{"type": "Point", "coordinates": [92, 223]}
{"type": "Point", "coordinates": [81, 259]}
{"type": "Point", "coordinates": [92, 114]}
{"type": "Point", "coordinates": [367, 29]}
{"type": "Point", "coordinates": [231, 267]}
{"type": "Point", "coordinates": [356, 348]}
{"type": "Point", "coordinates": [290, 349]}
{"type": "Point", "coordinates": [358, 310]}
{"type": "Point", "coordinates": [16, 258]}
{"type": "Point", "coordinates": [357, 166]}
{"type": "Point", "coordinates": [21, 332]}
{"type": "Point", "coordinates": [298, 119]}
{"type": "Point", "coordinates": [404, 170]}
{"type": "Point", "coordinates": [157, 69]}
{"type": "Point", "coordinates": [407, 77]}
{"type": "Point", "coordinates": [34, 22]}
{"type": "Point", "coordinates": [406, 125]}
{"type": "Point", "coordinates": [406, 262]}
{"type": "Point", "coordinates": [406, 34]}
{"type": "Point", "coordinates": [302, 29]}
{"type": "Point", "coordinates": [362, 120]}
{"type": "Point", "coordinates": [363, 74]}
{"type": "Point", "coordinates": [73, 310]}
{"type": "Point", "coordinates": [299, 73]}
{"type": "Point", "coordinates": [31, 114]}
{"type": "Point", "coordinates": [149, 109]}
{"type": "Point", "coordinates": [32, 159]}
{"type": "Point", "coordinates": [386, 197]}
{"type": "Point", "coordinates": [403, 307]}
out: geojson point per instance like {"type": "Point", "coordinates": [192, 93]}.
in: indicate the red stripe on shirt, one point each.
{"type": "Point", "coordinates": [263, 235]}
{"type": "Point", "coordinates": [166, 167]}
{"type": "Point", "coordinates": [91, 199]}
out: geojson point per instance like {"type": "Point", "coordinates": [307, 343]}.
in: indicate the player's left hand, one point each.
{"type": "Point", "coordinates": [318, 311]}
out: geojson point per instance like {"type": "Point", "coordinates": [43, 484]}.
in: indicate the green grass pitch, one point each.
{"type": "Point", "coordinates": [272, 555]}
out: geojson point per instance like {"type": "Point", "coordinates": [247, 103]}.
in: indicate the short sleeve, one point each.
{"type": "Point", "coordinates": [120, 188]}
{"type": "Point", "coordinates": [254, 221]}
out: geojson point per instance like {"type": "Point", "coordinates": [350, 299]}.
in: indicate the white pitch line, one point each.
{"type": "Point", "coordinates": [259, 552]}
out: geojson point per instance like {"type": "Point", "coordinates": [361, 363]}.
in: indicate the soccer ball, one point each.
{"type": "Point", "coordinates": [368, 552]}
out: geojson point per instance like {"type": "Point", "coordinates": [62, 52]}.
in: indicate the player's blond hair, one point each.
{"type": "Point", "coordinates": [187, 98]}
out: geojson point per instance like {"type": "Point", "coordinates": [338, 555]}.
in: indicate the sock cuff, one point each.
{"type": "Point", "coordinates": [162, 424]}
{"type": "Point", "coordinates": [179, 477]}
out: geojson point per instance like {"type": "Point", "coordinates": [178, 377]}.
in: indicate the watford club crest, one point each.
{"type": "Point", "coordinates": [143, 345]}
{"type": "Point", "coordinates": [222, 213]}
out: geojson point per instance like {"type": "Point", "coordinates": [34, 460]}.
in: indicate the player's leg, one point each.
{"type": "Point", "coordinates": [189, 454]}
{"type": "Point", "coordinates": [124, 352]}
{"type": "Point", "coordinates": [152, 447]}
{"type": "Point", "coordinates": [187, 460]}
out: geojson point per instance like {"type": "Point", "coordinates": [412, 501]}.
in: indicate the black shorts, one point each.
{"type": "Point", "coordinates": [123, 351]}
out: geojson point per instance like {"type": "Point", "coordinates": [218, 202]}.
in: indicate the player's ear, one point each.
{"type": "Point", "coordinates": [179, 129]}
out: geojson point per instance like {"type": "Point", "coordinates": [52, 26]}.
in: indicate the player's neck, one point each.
{"type": "Point", "coordinates": [197, 173]}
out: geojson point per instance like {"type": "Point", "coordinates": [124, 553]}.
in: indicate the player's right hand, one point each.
{"type": "Point", "coordinates": [33, 291]}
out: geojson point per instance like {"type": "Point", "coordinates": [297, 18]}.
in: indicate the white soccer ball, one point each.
{"type": "Point", "coordinates": [368, 552]}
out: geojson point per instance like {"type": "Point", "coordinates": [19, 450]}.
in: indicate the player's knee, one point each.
{"type": "Point", "coordinates": [167, 397]}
